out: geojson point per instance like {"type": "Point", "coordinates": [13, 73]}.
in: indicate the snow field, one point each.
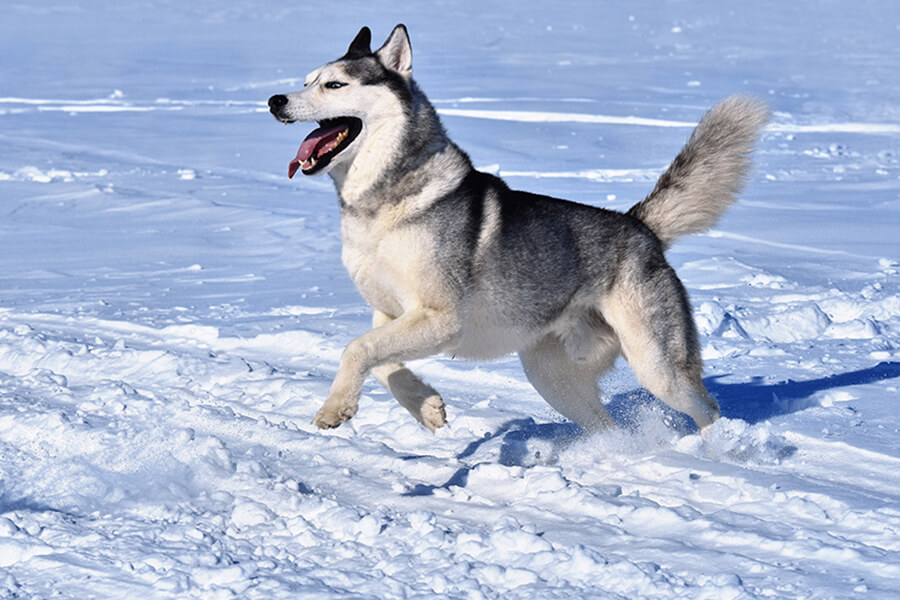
{"type": "Point", "coordinates": [156, 430]}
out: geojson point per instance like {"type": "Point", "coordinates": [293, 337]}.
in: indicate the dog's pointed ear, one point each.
{"type": "Point", "coordinates": [396, 54]}
{"type": "Point", "coordinates": [361, 44]}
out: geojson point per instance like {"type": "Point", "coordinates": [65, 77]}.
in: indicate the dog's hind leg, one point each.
{"type": "Point", "coordinates": [569, 386]}
{"type": "Point", "coordinates": [651, 315]}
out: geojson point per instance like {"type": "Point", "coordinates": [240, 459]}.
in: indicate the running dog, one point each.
{"type": "Point", "coordinates": [452, 260]}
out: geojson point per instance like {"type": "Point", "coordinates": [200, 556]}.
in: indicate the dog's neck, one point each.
{"type": "Point", "coordinates": [356, 178]}
{"type": "Point", "coordinates": [436, 175]}
{"type": "Point", "coordinates": [404, 159]}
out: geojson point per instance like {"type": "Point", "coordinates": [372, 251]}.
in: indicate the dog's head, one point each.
{"type": "Point", "coordinates": [348, 98]}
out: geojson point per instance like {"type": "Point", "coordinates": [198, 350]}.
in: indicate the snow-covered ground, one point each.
{"type": "Point", "coordinates": [172, 309]}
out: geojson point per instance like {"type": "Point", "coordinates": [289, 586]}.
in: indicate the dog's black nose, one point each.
{"type": "Point", "coordinates": [277, 101]}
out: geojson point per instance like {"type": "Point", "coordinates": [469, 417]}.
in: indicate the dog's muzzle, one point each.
{"type": "Point", "coordinates": [277, 101]}
{"type": "Point", "coordinates": [277, 104]}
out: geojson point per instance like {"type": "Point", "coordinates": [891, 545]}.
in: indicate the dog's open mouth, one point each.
{"type": "Point", "coordinates": [323, 144]}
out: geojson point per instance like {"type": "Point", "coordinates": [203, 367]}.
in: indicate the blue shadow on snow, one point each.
{"type": "Point", "coordinates": [755, 401]}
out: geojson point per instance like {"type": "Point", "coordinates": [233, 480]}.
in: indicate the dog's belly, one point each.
{"type": "Point", "coordinates": [487, 332]}
{"type": "Point", "coordinates": [480, 343]}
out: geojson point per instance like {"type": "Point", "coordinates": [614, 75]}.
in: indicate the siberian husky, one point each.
{"type": "Point", "coordinates": [454, 261]}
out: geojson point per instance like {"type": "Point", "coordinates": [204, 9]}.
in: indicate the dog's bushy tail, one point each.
{"type": "Point", "coordinates": [707, 175]}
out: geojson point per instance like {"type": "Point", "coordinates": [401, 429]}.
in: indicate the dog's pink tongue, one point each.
{"type": "Point", "coordinates": [315, 139]}
{"type": "Point", "coordinates": [293, 168]}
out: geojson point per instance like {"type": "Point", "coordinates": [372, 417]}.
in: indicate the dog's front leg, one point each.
{"type": "Point", "coordinates": [417, 333]}
{"type": "Point", "coordinates": [413, 394]}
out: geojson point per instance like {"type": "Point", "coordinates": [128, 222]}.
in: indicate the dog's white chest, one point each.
{"type": "Point", "coordinates": [387, 264]}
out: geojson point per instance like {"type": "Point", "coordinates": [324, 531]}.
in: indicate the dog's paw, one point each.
{"type": "Point", "coordinates": [434, 413]}
{"type": "Point", "coordinates": [330, 417]}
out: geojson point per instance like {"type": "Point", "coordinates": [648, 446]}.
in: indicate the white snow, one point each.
{"type": "Point", "coordinates": [172, 310]}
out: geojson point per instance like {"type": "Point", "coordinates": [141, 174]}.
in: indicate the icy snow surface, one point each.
{"type": "Point", "coordinates": [172, 309]}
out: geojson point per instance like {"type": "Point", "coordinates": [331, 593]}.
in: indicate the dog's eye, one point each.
{"type": "Point", "coordinates": [333, 85]}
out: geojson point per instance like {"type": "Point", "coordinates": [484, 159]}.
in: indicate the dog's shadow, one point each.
{"type": "Point", "coordinates": [753, 401]}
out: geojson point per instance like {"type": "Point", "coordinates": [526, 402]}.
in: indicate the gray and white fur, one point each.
{"type": "Point", "coordinates": [454, 261]}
